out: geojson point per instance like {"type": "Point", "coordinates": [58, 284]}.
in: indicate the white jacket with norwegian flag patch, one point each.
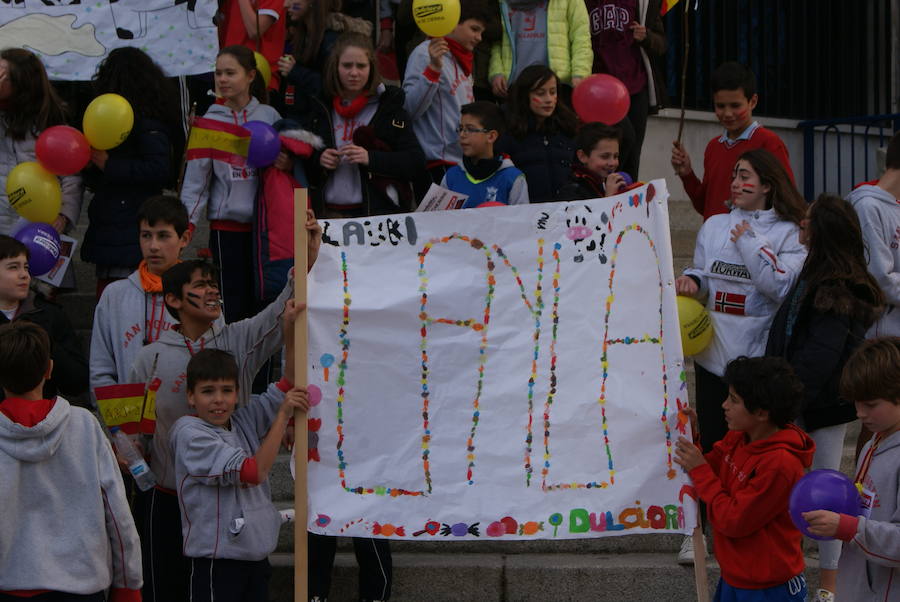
{"type": "Point", "coordinates": [745, 281]}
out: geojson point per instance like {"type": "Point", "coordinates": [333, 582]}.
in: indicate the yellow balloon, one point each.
{"type": "Point", "coordinates": [436, 18]}
{"type": "Point", "coordinates": [263, 68]}
{"type": "Point", "coordinates": [34, 192]}
{"type": "Point", "coordinates": [108, 121]}
{"type": "Point", "coordinates": [696, 326]}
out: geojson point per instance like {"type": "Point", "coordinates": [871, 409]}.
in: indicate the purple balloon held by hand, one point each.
{"type": "Point", "coordinates": [264, 144]}
{"type": "Point", "coordinates": [43, 247]}
{"type": "Point", "coordinates": [823, 490]}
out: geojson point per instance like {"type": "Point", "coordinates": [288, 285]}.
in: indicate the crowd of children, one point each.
{"type": "Point", "coordinates": [820, 280]}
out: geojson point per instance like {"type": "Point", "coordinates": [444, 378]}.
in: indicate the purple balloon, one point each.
{"type": "Point", "coordinates": [264, 144]}
{"type": "Point", "coordinates": [43, 247]}
{"type": "Point", "coordinates": [823, 490]}
{"type": "Point", "coordinates": [626, 178]}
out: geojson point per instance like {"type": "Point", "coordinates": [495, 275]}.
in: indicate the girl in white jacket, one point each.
{"type": "Point", "coordinates": [745, 263]}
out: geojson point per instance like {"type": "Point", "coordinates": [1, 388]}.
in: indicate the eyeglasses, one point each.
{"type": "Point", "coordinates": [468, 130]}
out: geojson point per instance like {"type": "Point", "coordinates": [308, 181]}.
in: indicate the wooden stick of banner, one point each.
{"type": "Point", "coordinates": [301, 442]}
{"type": "Point", "coordinates": [700, 577]}
{"type": "Point", "coordinates": [684, 62]}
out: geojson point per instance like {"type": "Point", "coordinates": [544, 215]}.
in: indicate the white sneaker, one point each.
{"type": "Point", "coordinates": [823, 595]}
{"type": "Point", "coordinates": [686, 554]}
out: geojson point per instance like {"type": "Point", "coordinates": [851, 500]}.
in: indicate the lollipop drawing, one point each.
{"type": "Point", "coordinates": [326, 360]}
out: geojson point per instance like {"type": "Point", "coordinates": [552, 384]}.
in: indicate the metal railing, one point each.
{"type": "Point", "coordinates": [839, 138]}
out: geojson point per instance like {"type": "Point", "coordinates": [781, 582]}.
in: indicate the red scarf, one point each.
{"type": "Point", "coordinates": [463, 57]}
{"type": "Point", "coordinates": [349, 111]}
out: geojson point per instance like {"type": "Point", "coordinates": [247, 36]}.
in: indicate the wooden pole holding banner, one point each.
{"type": "Point", "coordinates": [700, 577]}
{"type": "Point", "coordinates": [685, 31]}
{"type": "Point", "coordinates": [301, 443]}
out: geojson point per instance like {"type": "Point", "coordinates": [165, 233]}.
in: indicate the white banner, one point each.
{"type": "Point", "coordinates": [507, 372]}
{"type": "Point", "coordinates": [73, 36]}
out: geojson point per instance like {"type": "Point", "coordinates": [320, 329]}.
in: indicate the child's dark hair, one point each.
{"type": "Point", "coordinates": [591, 133]}
{"type": "Point", "coordinates": [766, 383]}
{"type": "Point", "coordinates": [892, 157]}
{"type": "Point", "coordinates": [211, 364]}
{"type": "Point", "coordinates": [164, 209]}
{"type": "Point", "coordinates": [11, 248]}
{"type": "Point", "coordinates": [247, 60]}
{"type": "Point", "coordinates": [477, 10]}
{"type": "Point", "coordinates": [563, 120]}
{"type": "Point", "coordinates": [24, 356]}
{"type": "Point", "coordinates": [837, 253]}
{"type": "Point", "coordinates": [783, 196]}
{"type": "Point", "coordinates": [733, 76]}
{"type": "Point", "coordinates": [487, 113]}
{"type": "Point", "coordinates": [176, 277]}
{"type": "Point", "coordinates": [131, 73]}
{"type": "Point", "coordinates": [873, 371]}
{"type": "Point", "coordinates": [34, 104]}
{"type": "Point", "coordinates": [331, 80]}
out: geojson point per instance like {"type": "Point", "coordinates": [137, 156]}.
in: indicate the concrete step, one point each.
{"type": "Point", "coordinates": [454, 576]}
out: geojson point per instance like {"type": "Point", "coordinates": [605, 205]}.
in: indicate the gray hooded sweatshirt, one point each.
{"type": "Point", "coordinates": [229, 191]}
{"type": "Point", "coordinates": [251, 342]}
{"type": "Point", "coordinates": [879, 216]}
{"type": "Point", "coordinates": [869, 568]}
{"type": "Point", "coordinates": [211, 495]}
{"type": "Point", "coordinates": [65, 524]}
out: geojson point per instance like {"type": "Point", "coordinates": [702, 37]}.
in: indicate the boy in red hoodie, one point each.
{"type": "Point", "coordinates": [746, 481]}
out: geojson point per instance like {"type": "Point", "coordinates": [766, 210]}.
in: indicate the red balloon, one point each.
{"type": "Point", "coordinates": [62, 150]}
{"type": "Point", "coordinates": [601, 97]}
{"type": "Point", "coordinates": [492, 204]}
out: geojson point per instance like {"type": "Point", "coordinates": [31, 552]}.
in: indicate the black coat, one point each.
{"type": "Point", "coordinates": [403, 163]}
{"type": "Point", "coordinates": [831, 322]}
{"type": "Point", "coordinates": [546, 161]}
{"type": "Point", "coordinates": [70, 366]}
{"type": "Point", "coordinates": [137, 169]}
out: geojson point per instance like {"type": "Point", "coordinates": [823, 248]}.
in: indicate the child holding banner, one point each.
{"type": "Point", "coordinates": [220, 183]}
{"type": "Point", "coordinates": [745, 262]}
{"type": "Point", "coordinates": [746, 481]}
{"type": "Point", "coordinates": [229, 523]}
{"type": "Point", "coordinates": [594, 174]}
{"type": "Point", "coordinates": [191, 293]}
{"type": "Point", "coordinates": [18, 303]}
{"type": "Point", "coordinates": [65, 530]}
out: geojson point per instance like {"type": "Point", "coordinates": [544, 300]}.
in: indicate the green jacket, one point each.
{"type": "Point", "coordinates": [568, 41]}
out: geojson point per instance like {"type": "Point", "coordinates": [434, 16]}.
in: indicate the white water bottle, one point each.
{"type": "Point", "coordinates": [142, 474]}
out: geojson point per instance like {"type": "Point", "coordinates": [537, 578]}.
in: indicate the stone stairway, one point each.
{"type": "Point", "coordinates": [631, 567]}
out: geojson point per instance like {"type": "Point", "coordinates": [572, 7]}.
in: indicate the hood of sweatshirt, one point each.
{"type": "Point", "coordinates": [790, 439]}
{"type": "Point", "coordinates": [872, 191]}
{"type": "Point", "coordinates": [39, 442]}
{"type": "Point", "coordinates": [253, 111]}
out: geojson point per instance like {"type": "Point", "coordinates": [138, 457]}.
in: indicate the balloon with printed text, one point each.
{"type": "Point", "coordinates": [34, 192]}
{"type": "Point", "coordinates": [601, 97]}
{"type": "Point", "coordinates": [42, 242]}
{"type": "Point", "coordinates": [108, 121]}
{"type": "Point", "coordinates": [696, 327]}
{"type": "Point", "coordinates": [436, 18]}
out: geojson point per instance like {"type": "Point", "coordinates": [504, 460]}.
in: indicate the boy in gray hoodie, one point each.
{"type": "Point", "coordinates": [869, 568]}
{"type": "Point", "coordinates": [65, 527]}
{"type": "Point", "coordinates": [878, 206]}
{"type": "Point", "coordinates": [223, 457]}
{"type": "Point", "coordinates": [191, 294]}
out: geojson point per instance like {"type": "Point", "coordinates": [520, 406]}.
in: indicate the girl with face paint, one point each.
{"type": "Point", "coordinates": [541, 129]}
